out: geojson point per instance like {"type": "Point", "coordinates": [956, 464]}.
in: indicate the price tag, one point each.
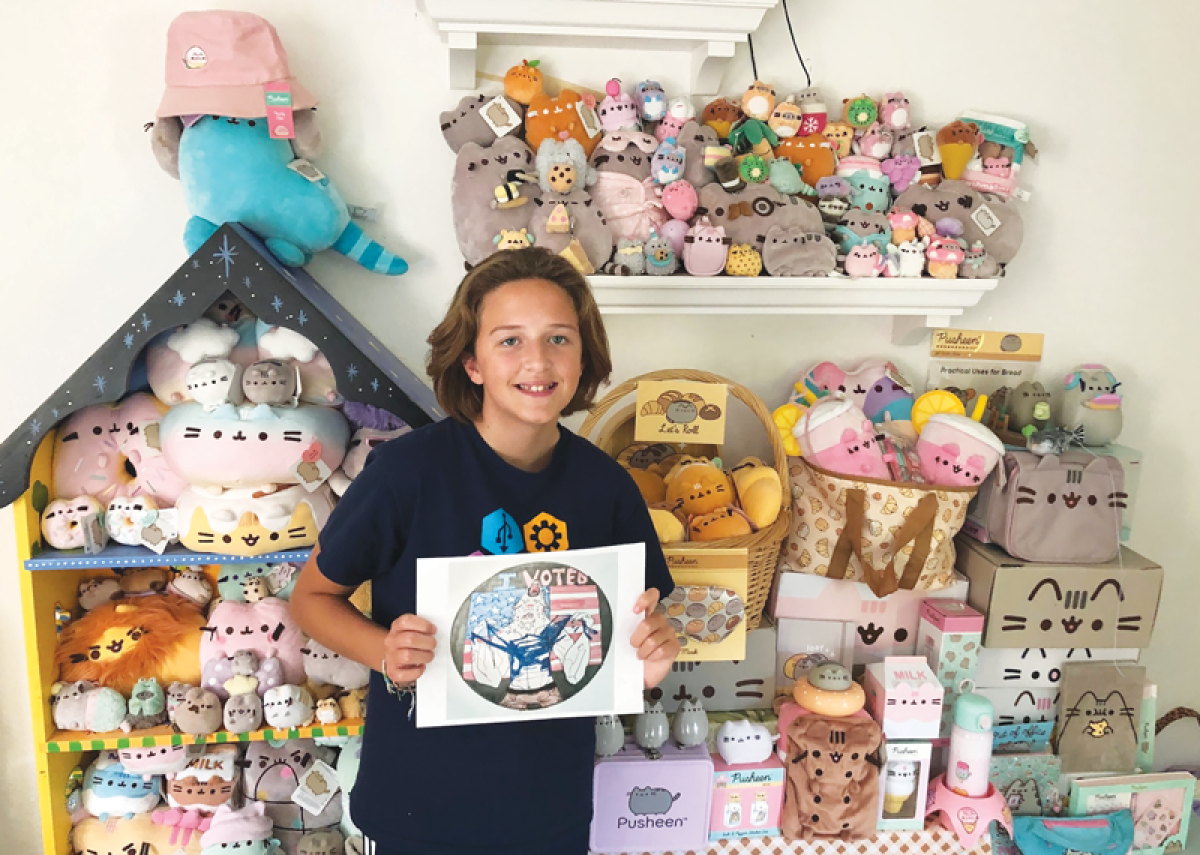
{"type": "Point", "coordinates": [279, 110]}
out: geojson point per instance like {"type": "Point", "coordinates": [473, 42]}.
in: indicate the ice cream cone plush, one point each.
{"type": "Point", "coordinates": [957, 143]}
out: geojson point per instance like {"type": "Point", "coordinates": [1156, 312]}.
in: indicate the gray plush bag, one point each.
{"type": "Point", "coordinates": [1057, 509]}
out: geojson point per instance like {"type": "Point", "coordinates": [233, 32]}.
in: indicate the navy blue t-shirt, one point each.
{"type": "Point", "coordinates": [484, 788]}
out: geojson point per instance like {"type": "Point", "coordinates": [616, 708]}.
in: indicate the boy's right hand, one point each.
{"type": "Point", "coordinates": [408, 648]}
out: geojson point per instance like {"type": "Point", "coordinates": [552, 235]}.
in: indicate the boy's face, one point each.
{"type": "Point", "coordinates": [528, 354]}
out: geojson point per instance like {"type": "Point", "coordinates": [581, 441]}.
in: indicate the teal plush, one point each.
{"type": "Point", "coordinates": [869, 193]}
{"type": "Point", "coordinates": [232, 171]}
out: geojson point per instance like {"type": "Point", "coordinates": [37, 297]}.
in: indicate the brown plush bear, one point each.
{"type": "Point", "coordinates": [832, 778]}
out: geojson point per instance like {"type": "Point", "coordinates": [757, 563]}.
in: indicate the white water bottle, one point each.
{"type": "Point", "coordinates": [970, 759]}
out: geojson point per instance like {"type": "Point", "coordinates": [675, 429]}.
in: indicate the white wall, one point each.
{"type": "Point", "coordinates": [91, 227]}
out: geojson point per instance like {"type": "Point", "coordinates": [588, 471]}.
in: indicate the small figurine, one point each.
{"type": "Point", "coordinates": [610, 735]}
{"type": "Point", "coordinates": [690, 726]}
{"type": "Point", "coordinates": [651, 729]}
{"type": "Point", "coordinates": [660, 257]}
{"type": "Point", "coordinates": [944, 254]}
{"type": "Point", "coordinates": [860, 112]}
{"type": "Point", "coordinates": [758, 101]}
{"type": "Point", "coordinates": [617, 111]}
{"type": "Point", "coordinates": [864, 261]}
{"type": "Point", "coordinates": [651, 101]}
{"type": "Point", "coordinates": [667, 163]}
{"type": "Point", "coordinates": [741, 742]}
{"type": "Point", "coordinates": [828, 689]}
{"type": "Point", "coordinates": [1090, 401]}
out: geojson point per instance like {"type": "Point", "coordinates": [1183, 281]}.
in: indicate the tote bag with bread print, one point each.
{"type": "Point", "coordinates": [889, 534]}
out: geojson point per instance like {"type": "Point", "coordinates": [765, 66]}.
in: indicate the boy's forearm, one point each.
{"type": "Point", "coordinates": [336, 623]}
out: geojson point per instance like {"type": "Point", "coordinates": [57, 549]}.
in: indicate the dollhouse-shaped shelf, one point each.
{"type": "Point", "coordinates": [117, 555]}
{"type": "Point", "coordinates": [72, 740]}
{"type": "Point", "coordinates": [710, 29]}
{"type": "Point", "coordinates": [916, 304]}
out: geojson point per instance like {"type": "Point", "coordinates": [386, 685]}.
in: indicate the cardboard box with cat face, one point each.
{"type": "Point", "coordinates": [1061, 605]}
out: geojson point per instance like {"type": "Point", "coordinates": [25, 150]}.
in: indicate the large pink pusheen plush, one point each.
{"type": "Point", "coordinates": [835, 435]}
{"type": "Point", "coordinates": [956, 451]}
{"type": "Point", "coordinates": [266, 627]}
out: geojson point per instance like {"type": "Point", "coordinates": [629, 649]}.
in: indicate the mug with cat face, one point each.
{"type": "Point", "coordinates": [956, 451]}
{"type": "Point", "coordinates": [835, 435]}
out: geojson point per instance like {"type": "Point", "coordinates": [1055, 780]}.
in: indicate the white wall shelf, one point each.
{"type": "Point", "coordinates": [917, 304]}
{"type": "Point", "coordinates": [710, 29]}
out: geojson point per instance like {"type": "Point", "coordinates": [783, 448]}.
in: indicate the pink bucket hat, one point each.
{"type": "Point", "coordinates": [218, 62]}
{"type": "Point", "coordinates": [232, 826]}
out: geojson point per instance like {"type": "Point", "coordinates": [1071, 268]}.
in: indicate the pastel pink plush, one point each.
{"type": "Point", "coordinates": [630, 205]}
{"type": "Point", "coordinates": [835, 435]}
{"type": "Point", "coordinates": [956, 451]}
{"type": "Point", "coordinates": [155, 477]}
{"type": "Point", "coordinates": [902, 171]}
{"type": "Point", "coordinates": [676, 232]}
{"type": "Point", "coordinates": [679, 113]}
{"type": "Point", "coordinates": [680, 199]}
{"type": "Point", "coordinates": [266, 627]}
{"type": "Point", "coordinates": [852, 385]}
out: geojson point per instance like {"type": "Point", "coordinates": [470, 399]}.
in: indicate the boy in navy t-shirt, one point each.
{"type": "Point", "coordinates": [521, 345]}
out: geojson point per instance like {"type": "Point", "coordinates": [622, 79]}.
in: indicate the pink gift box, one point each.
{"type": "Point", "coordinates": [905, 697]}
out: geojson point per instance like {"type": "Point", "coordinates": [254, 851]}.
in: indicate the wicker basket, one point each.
{"type": "Point", "coordinates": [762, 547]}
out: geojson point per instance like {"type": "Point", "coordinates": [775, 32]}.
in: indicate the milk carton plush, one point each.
{"type": "Point", "coordinates": [836, 435]}
{"type": "Point", "coordinates": [905, 697]}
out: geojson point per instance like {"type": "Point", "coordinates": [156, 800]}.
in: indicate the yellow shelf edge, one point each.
{"type": "Point", "coordinates": [62, 741]}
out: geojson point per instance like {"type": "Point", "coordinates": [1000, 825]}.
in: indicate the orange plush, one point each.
{"type": "Point", "coordinates": [523, 82]}
{"type": "Point", "coordinates": [841, 134]}
{"type": "Point", "coordinates": [721, 115]}
{"type": "Point", "coordinates": [957, 143]}
{"type": "Point", "coordinates": [785, 118]}
{"type": "Point", "coordinates": [120, 642]}
{"type": "Point", "coordinates": [700, 488]}
{"type": "Point", "coordinates": [559, 118]}
{"type": "Point", "coordinates": [719, 524]}
{"type": "Point", "coordinates": [813, 154]}
{"type": "Point", "coordinates": [649, 484]}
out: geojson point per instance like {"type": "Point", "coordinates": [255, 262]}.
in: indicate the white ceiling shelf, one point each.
{"type": "Point", "coordinates": [710, 29]}
{"type": "Point", "coordinates": [917, 304]}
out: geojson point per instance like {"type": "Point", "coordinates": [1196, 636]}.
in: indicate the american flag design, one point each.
{"type": "Point", "coordinates": [569, 600]}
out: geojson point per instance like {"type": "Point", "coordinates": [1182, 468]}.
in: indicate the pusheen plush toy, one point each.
{"type": "Point", "coordinates": [171, 355]}
{"type": "Point", "coordinates": [859, 227]}
{"type": "Point", "coordinates": [860, 112]}
{"type": "Point", "coordinates": [317, 384]}
{"type": "Point", "coordinates": [326, 841]}
{"type": "Point", "coordinates": [977, 264]}
{"type": "Point", "coordinates": [271, 773]}
{"type": "Point", "coordinates": [945, 255]}
{"type": "Point", "coordinates": [83, 705]}
{"type": "Point", "coordinates": [585, 223]}
{"type": "Point", "coordinates": [956, 451]}
{"type": "Point", "coordinates": [109, 790]}
{"type": "Point", "coordinates": [353, 703]}
{"type": "Point", "coordinates": [785, 118]}
{"type": "Point", "coordinates": [743, 260]}
{"type": "Point", "coordinates": [836, 435]}
{"type": "Point", "coordinates": [758, 100]}
{"type": "Point", "coordinates": [97, 592]}
{"type": "Point", "coordinates": [65, 522]}
{"type": "Point", "coordinates": [235, 579]}
{"type": "Point", "coordinates": [1028, 406]}
{"type": "Point", "coordinates": [785, 178]}
{"type": "Point", "coordinates": [651, 101]}
{"type": "Point", "coordinates": [481, 119]}
{"type": "Point", "coordinates": [564, 116]}
{"type": "Point", "coordinates": [901, 170]}
{"type": "Point", "coordinates": [1090, 401]}
{"type": "Point", "coordinates": [864, 261]}
{"type": "Point", "coordinates": [101, 450]}
{"type": "Point", "coordinates": [364, 441]}
{"type": "Point", "coordinates": [988, 219]}
{"type": "Point", "coordinates": [741, 742]}
{"type": "Point", "coordinates": [705, 249]}
{"type": "Point", "coordinates": [491, 191]}
{"type": "Point", "coordinates": [207, 782]}
{"type": "Point", "coordinates": [832, 209]}
{"type": "Point", "coordinates": [328, 711]}
{"type": "Point", "coordinates": [876, 141]}
{"type": "Point", "coordinates": [890, 399]}
{"type": "Point", "coordinates": [232, 171]}
{"type": "Point", "coordinates": [213, 382]}
{"type": "Point", "coordinates": [797, 252]}
{"type": "Point", "coordinates": [729, 175]}
{"type": "Point", "coordinates": [831, 793]}
{"type": "Point", "coordinates": [191, 584]}
{"type": "Point", "coordinates": [618, 112]}
{"type": "Point", "coordinates": [142, 581]}
{"type": "Point", "coordinates": [666, 165]}
{"type": "Point", "coordinates": [247, 831]}
{"type": "Point", "coordinates": [522, 82]}
{"type": "Point", "coordinates": [243, 713]}
{"type": "Point", "coordinates": [245, 671]}
{"type": "Point", "coordinates": [812, 154]}
{"type": "Point", "coordinates": [748, 216]}
{"type": "Point", "coordinates": [199, 713]}
{"type": "Point", "coordinates": [126, 518]}
{"type": "Point", "coordinates": [719, 525]}
{"type": "Point", "coordinates": [759, 490]}
{"type": "Point", "coordinates": [679, 113]}
{"type": "Point", "coordinates": [680, 200]}
{"type": "Point", "coordinates": [175, 694]}
{"type": "Point", "coordinates": [841, 136]}
{"type": "Point", "coordinates": [511, 240]}
{"type": "Point", "coordinates": [721, 115]}
{"type": "Point", "coordinates": [869, 191]}
{"type": "Point", "coordinates": [624, 187]}
{"type": "Point", "coordinates": [675, 231]}
{"type": "Point", "coordinates": [690, 725]}
{"type": "Point", "coordinates": [903, 224]}
{"type": "Point", "coordinates": [957, 143]}
{"type": "Point", "coordinates": [700, 488]}
{"type": "Point", "coordinates": [147, 706]}
{"type": "Point", "coordinates": [266, 628]}
{"type": "Point", "coordinates": [149, 761]}
{"type": "Point", "coordinates": [894, 111]}
{"type": "Point", "coordinates": [323, 665]}
{"type": "Point", "coordinates": [244, 522]}
{"type": "Point", "coordinates": [695, 139]}
{"type": "Point", "coordinates": [252, 447]}
{"type": "Point", "coordinates": [628, 260]}
{"type": "Point", "coordinates": [272, 382]}
{"type": "Point", "coordinates": [661, 259]}
{"type": "Point", "coordinates": [121, 642]}
{"type": "Point", "coordinates": [563, 167]}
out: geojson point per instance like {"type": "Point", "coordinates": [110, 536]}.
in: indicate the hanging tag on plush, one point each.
{"type": "Point", "coordinates": [310, 469]}
{"type": "Point", "coordinates": [317, 787]}
{"type": "Point", "coordinates": [279, 110]}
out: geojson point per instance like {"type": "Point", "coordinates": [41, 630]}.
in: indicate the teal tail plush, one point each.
{"type": "Point", "coordinates": [357, 247]}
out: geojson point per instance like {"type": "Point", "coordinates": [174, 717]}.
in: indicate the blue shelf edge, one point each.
{"type": "Point", "coordinates": [118, 555]}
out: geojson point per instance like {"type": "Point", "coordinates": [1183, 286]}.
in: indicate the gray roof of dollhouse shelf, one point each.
{"type": "Point", "coordinates": [236, 261]}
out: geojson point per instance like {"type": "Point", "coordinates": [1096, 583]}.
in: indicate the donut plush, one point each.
{"type": "Point", "coordinates": [243, 522]}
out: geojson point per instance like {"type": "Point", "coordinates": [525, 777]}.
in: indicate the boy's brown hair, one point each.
{"type": "Point", "coordinates": [454, 338]}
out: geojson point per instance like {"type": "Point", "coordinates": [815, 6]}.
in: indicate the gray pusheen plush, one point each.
{"type": "Point", "coordinates": [625, 152]}
{"type": "Point", "coordinates": [759, 207]}
{"type": "Point", "coordinates": [959, 200]}
{"type": "Point", "coordinates": [243, 713]}
{"type": "Point", "coordinates": [978, 264]}
{"type": "Point", "coordinates": [199, 713]}
{"type": "Point", "coordinates": [590, 227]}
{"type": "Point", "coordinates": [695, 137]}
{"type": "Point", "coordinates": [465, 123]}
{"type": "Point", "coordinates": [322, 665]}
{"type": "Point", "coordinates": [796, 252]}
{"type": "Point", "coordinates": [327, 841]}
{"type": "Point", "coordinates": [478, 172]}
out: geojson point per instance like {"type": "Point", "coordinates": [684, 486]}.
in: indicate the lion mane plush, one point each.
{"type": "Point", "coordinates": [832, 778]}
{"type": "Point", "coordinates": [120, 642]}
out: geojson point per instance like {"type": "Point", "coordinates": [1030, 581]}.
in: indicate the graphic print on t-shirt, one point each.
{"type": "Point", "coordinates": [546, 533]}
{"type": "Point", "coordinates": [532, 636]}
{"type": "Point", "coordinates": [500, 534]}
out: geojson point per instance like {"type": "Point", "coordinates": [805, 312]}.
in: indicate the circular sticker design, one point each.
{"type": "Point", "coordinates": [195, 58]}
{"type": "Point", "coordinates": [532, 636]}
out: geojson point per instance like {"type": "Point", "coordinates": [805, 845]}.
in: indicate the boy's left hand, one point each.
{"type": "Point", "coordinates": [656, 643]}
